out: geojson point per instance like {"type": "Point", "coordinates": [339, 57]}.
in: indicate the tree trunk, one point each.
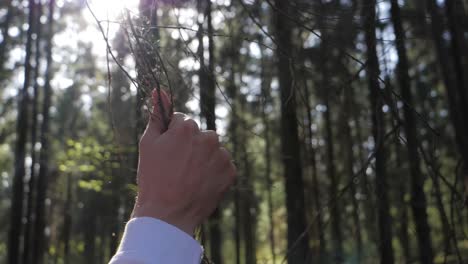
{"type": "Point", "coordinates": [378, 132]}
{"type": "Point", "coordinates": [418, 197]}
{"type": "Point", "coordinates": [67, 220]}
{"type": "Point", "coordinates": [266, 100]}
{"type": "Point", "coordinates": [39, 236]}
{"type": "Point", "coordinates": [207, 107]}
{"type": "Point", "coordinates": [431, 160]}
{"type": "Point", "coordinates": [447, 232]}
{"type": "Point", "coordinates": [248, 199]}
{"type": "Point", "coordinates": [455, 11]}
{"type": "Point", "coordinates": [350, 160]}
{"type": "Point", "coordinates": [456, 16]}
{"type": "Point", "coordinates": [90, 230]}
{"type": "Point", "coordinates": [27, 242]}
{"type": "Point", "coordinates": [298, 241]}
{"type": "Point", "coordinates": [365, 186]}
{"type": "Point", "coordinates": [232, 93]}
{"type": "Point", "coordinates": [16, 211]}
{"type": "Point", "coordinates": [322, 248]}
{"type": "Point", "coordinates": [5, 35]}
{"type": "Point", "coordinates": [401, 192]}
{"type": "Point", "coordinates": [335, 215]}
{"type": "Point", "coordinates": [456, 92]}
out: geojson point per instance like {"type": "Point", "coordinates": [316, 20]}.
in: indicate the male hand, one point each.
{"type": "Point", "coordinates": [182, 172]}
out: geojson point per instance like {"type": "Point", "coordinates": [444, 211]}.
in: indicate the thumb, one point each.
{"type": "Point", "coordinates": [161, 114]}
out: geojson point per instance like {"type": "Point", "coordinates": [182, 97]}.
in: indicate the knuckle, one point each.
{"type": "Point", "coordinates": [225, 155]}
{"type": "Point", "coordinates": [190, 125]}
{"type": "Point", "coordinates": [211, 137]}
{"type": "Point", "coordinates": [214, 139]}
{"type": "Point", "coordinates": [232, 172]}
{"type": "Point", "coordinates": [176, 119]}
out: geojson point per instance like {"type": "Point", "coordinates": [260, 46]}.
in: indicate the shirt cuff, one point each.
{"type": "Point", "coordinates": [148, 240]}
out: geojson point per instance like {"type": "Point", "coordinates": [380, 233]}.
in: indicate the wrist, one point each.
{"type": "Point", "coordinates": [143, 210]}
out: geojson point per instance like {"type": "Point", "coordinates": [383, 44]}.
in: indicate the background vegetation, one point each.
{"type": "Point", "coordinates": [347, 120]}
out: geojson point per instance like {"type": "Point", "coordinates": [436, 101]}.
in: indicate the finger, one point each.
{"type": "Point", "coordinates": [191, 126]}
{"type": "Point", "coordinates": [226, 168]}
{"type": "Point", "coordinates": [184, 124]}
{"type": "Point", "coordinates": [230, 168]}
{"type": "Point", "coordinates": [162, 112]}
{"type": "Point", "coordinates": [209, 138]}
{"type": "Point", "coordinates": [177, 120]}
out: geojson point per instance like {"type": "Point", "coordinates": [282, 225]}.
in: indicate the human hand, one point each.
{"type": "Point", "coordinates": [182, 172]}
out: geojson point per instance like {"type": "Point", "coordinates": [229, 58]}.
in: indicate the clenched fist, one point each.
{"type": "Point", "coordinates": [182, 172]}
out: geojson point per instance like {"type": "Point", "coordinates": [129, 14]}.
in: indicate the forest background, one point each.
{"type": "Point", "coordinates": [347, 121]}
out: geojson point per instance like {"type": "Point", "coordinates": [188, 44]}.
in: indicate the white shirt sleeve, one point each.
{"type": "Point", "coordinates": [148, 240]}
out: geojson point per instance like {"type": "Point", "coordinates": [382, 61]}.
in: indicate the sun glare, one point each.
{"type": "Point", "coordinates": [111, 9]}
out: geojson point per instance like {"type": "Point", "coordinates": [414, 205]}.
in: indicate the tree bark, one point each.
{"type": "Point", "coordinates": [15, 232]}
{"type": "Point", "coordinates": [298, 241]}
{"type": "Point", "coordinates": [67, 220]}
{"type": "Point", "coordinates": [232, 93]}
{"type": "Point", "coordinates": [27, 242]}
{"type": "Point", "coordinates": [5, 35]}
{"type": "Point", "coordinates": [337, 233]}
{"type": "Point", "coordinates": [401, 192]}
{"type": "Point", "coordinates": [378, 132]}
{"type": "Point", "coordinates": [42, 179]}
{"type": "Point", "coordinates": [89, 231]}
{"type": "Point", "coordinates": [248, 199]}
{"type": "Point", "coordinates": [266, 100]}
{"type": "Point", "coordinates": [350, 160]}
{"type": "Point", "coordinates": [318, 217]}
{"type": "Point", "coordinates": [456, 16]}
{"type": "Point", "coordinates": [418, 197]}
{"type": "Point", "coordinates": [453, 78]}
{"type": "Point", "coordinates": [207, 107]}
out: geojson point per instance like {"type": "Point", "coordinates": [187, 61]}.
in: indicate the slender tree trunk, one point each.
{"type": "Point", "coordinates": [378, 132]}
{"type": "Point", "coordinates": [67, 220]}
{"type": "Point", "coordinates": [39, 236]}
{"type": "Point", "coordinates": [432, 163]}
{"type": "Point", "coordinates": [335, 215]}
{"type": "Point", "coordinates": [232, 93]}
{"type": "Point", "coordinates": [207, 106]}
{"type": "Point", "coordinates": [148, 9]}
{"type": "Point", "coordinates": [248, 199]}
{"type": "Point", "coordinates": [447, 232]}
{"type": "Point", "coordinates": [90, 231]}
{"type": "Point", "coordinates": [15, 232]}
{"type": "Point", "coordinates": [350, 160]}
{"type": "Point", "coordinates": [401, 192]}
{"type": "Point", "coordinates": [337, 233]}
{"type": "Point", "coordinates": [456, 17]}
{"type": "Point", "coordinates": [453, 78]}
{"type": "Point", "coordinates": [455, 11]}
{"type": "Point", "coordinates": [365, 185]}
{"type": "Point", "coordinates": [298, 239]}
{"type": "Point", "coordinates": [27, 242]}
{"type": "Point", "coordinates": [315, 183]}
{"type": "Point", "coordinates": [418, 197]}
{"type": "Point", "coordinates": [6, 37]}
{"type": "Point", "coordinates": [265, 91]}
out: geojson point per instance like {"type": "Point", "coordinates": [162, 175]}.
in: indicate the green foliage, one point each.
{"type": "Point", "coordinates": [94, 124]}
